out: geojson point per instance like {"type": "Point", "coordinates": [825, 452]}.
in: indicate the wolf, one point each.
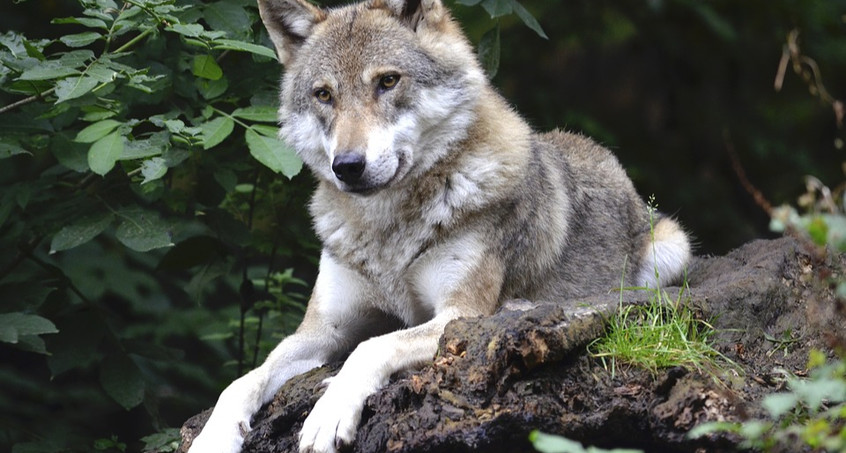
{"type": "Point", "coordinates": [435, 200]}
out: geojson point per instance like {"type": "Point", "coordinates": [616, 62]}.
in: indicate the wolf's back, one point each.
{"type": "Point", "coordinates": [581, 228]}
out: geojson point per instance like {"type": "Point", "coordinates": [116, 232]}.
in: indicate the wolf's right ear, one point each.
{"type": "Point", "coordinates": [289, 23]}
{"type": "Point", "coordinates": [414, 12]}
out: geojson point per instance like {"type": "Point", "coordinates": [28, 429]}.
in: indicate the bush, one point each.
{"type": "Point", "coordinates": [132, 215]}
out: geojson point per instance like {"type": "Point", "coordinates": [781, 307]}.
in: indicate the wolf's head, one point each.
{"type": "Point", "coordinates": [373, 93]}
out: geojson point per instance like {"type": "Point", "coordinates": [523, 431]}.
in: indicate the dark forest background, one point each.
{"type": "Point", "coordinates": [153, 246]}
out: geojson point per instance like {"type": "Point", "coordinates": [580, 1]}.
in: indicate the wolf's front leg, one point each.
{"type": "Point", "coordinates": [454, 287]}
{"type": "Point", "coordinates": [334, 419]}
{"type": "Point", "coordinates": [335, 321]}
{"type": "Point", "coordinates": [230, 420]}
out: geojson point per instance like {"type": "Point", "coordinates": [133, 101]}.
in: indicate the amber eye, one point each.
{"type": "Point", "coordinates": [388, 81]}
{"type": "Point", "coordinates": [323, 95]}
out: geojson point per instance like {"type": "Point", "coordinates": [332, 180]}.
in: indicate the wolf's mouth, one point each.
{"type": "Point", "coordinates": [365, 188]}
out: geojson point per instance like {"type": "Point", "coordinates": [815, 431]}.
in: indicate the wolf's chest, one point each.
{"type": "Point", "coordinates": [381, 257]}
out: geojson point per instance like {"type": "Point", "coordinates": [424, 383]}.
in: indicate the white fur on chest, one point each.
{"type": "Point", "coordinates": [411, 265]}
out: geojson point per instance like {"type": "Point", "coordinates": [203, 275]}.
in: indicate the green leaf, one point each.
{"type": "Point", "coordinates": [261, 113]}
{"type": "Point", "coordinates": [33, 51]}
{"type": "Point", "coordinates": [155, 145]}
{"type": "Point", "coordinates": [74, 87]}
{"type": "Point", "coordinates": [226, 178]}
{"type": "Point", "coordinates": [230, 44]}
{"type": "Point", "coordinates": [216, 130]}
{"type": "Point", "coordinates": [10, 147]}
{"type": "Point", "coordinates": [153, 169]}
{"type": "Point", "coordinates": [187, 30]}
{"type": "Point", "coordinates": [32, 343]}
{"type": "Point", "coordinates": [497, 8]}
{"type": "Point", "coordinates": [166, 441]}
{"type": "Point", "coordinates": [80, 232]}
{"type": "Point", "coordinates": [230, 17]}
{"type": "Point", "coordinates": [175, 126]}
{"type": "Point", "coordinates": [489, 51]}
{"type": "Point", "coordinates": [816, 359]}
{"type": "Point", "coordinates": [711, 428]}
{"type": "Point", "coordinates": [15, 325]}
{"type": "Point", "coordinates": [105, 152]}
{"type": "Point", "coordinates": [818, 230]}
{"type": "Point", "coordinates": [110, 444]}
{"type": "Point", "coordinates": [201, 281]}
{"type": "Point", "coordinates": [89, 22]}
{"type": "Point", "coordinates": [815, 391]}
{"type": "Point", "coordinates": [69, 153]}
{"type": "Point", "coordinates": [779, 404]}
{"type": "Point", "coordinates": [754, 429]}
{"type": "Point", "coordinates": [175, 156]}
{"type": "Point", "coordinates": [836, 226]}
{"type": "Point", "coordinates": [102, 72]}
{"type": "Point", "coordinates": [49, 70]}
{"type": "Point", "coordinates": [217, 336]}
{"type": "Point", "coordinates": [547, 443]}
{"type": "Point", "coordinates": [96, 131]}
{"type": "Point", "coordinates": [143, 231]}
{"type": "Point", "coordinates": [77, 58]}
{"type": "Point", "coordinates": [121, 379]}
{"type": "Point", "coordinates": [211, 89]}
{"type": "Point", "coordinates": [204, 66]}
{"type": "Point", "coordinates": [529, 20]}
{"type": "Point", "coordinates": [273, 153]}
{"type": "Point", "coordinates": [80, 39]}
{"type": "Point", "coordinates": [267, 131]}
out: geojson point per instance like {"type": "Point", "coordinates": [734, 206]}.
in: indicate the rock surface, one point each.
{"type": "Point", "coordinates": [497, 378]}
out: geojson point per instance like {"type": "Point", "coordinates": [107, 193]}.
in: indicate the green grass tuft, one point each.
{"type": "Point", "coordinates": [666, 332]}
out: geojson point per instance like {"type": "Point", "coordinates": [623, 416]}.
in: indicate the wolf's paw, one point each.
{"type": "Point", "coordinates": [213, 440]}
{"type": "Point", "coordinates": [331, 424]}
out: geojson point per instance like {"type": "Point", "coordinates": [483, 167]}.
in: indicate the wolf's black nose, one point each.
{"type": "Point", "coordinates": [348, 167]}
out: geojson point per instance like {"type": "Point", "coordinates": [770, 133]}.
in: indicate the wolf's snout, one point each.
{"type": "Point", "coordinates": [348, 167]}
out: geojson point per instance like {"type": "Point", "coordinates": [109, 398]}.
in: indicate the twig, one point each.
{"type": "Point", "coordinates": [756, 194]}
{"type": "Point", "coordinates": [261, 313]}
{"type": "Point", "coordinates": [25, 101]}
{"type": "Point", "coordinates": [807, 68]}
{"type": "Point", "coordinates": [23, 252]}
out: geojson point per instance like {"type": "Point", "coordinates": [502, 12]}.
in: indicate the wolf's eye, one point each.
{"type": "Point", "coordinates": [388, 81]}
{"type": "Point", "coordinates": [323, 95]}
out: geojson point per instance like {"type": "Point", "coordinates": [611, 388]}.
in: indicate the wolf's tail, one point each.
{"type": "Point", "coordinates": [666, 252]}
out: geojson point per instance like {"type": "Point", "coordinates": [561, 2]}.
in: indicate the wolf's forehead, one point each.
{"type": "Point", "coordinates": [353, 41]}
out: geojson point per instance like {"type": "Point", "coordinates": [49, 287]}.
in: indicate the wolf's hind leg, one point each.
{"type": "Point", "coordinates": [665, 254]}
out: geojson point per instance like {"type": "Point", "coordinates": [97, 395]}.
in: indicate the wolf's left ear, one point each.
{"type": "Point", "coordinates": [414, 12]}
{"type": "Point", "coordinates": [289, 23]}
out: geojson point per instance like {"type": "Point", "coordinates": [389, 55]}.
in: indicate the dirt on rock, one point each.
{"type": "Point", "coordinates": [497, 378]}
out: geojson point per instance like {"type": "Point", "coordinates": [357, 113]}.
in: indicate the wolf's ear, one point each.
{"type": "Point", "coordinates": [414, 12]}
{"type": "Point", "coordinates": [289, 23]}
